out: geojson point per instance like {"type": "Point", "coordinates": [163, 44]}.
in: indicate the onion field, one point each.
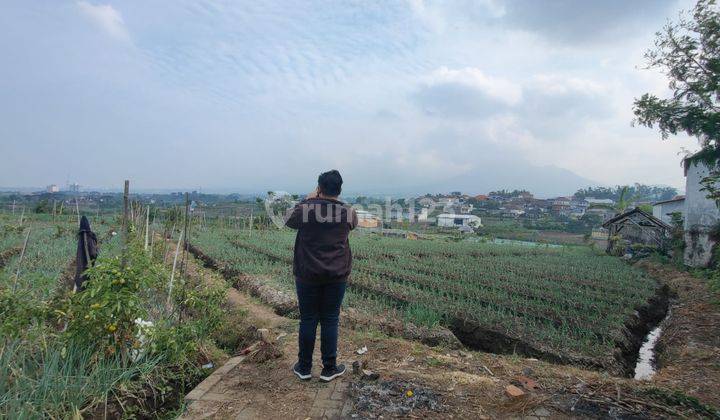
{"type": "Point", "coordinates": [570, 302]}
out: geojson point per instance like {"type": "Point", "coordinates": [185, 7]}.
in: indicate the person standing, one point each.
{"type": "Point", "coordinates": [322, 262]}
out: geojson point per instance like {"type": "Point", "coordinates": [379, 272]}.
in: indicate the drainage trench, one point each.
{"type": "Point", "coordinates": [646, 364]}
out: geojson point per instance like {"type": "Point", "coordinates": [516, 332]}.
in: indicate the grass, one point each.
{"type": "Point", "coordinates": [63, 355]}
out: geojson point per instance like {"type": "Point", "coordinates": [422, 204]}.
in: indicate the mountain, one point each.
{"type": "Point", "coordinates": [542, 181]}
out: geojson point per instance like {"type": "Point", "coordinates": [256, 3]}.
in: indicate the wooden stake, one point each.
{"type": "Point", "coordinates": [147, 227]}
{"type": "Point", "coordinates": [22, 255]}
{"type": "Point", "coordinates": [172, 274]}
{"type": "Point", "coordinates": [125, 223]}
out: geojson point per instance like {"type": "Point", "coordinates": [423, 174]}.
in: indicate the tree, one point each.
{"type": "Point", "coordinates": [688, 51]}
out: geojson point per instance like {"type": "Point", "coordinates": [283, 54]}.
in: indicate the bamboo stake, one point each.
{"type": "Point", "coordinates": [62, 203]}
{"type": "Point", "coordinates": [77, 209]}
{"type": "Point", "coordinates": [13, 208]}
{"type": "Point", "coordinates": [125, 223]}
{"type": "Point", "coordinates": [54, 205]}
{"type": "Point", "coordinates": [147, 227]}
{"type": "Point", "coordinates": [22, 215]}
{"type": "Point", "coordinates": [172, 275]}
{"type": "Point", "coordinates": [22, 255]}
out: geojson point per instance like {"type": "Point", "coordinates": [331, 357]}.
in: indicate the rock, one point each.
{"type": "Point", "coordinates": [514, 392]}
{"type": "Point", "coordinates": [370, 375]}
{"type": "Point", "coordinates": [527, 372]}
{"type": "Point", "coordinates": [527, 383]}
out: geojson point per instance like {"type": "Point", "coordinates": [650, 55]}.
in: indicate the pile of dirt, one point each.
{"type": "Point", "coordinates": [394, 398]}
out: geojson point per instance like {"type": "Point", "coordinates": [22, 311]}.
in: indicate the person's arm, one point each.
{"type": "Point", "coordinates": [293, 218]}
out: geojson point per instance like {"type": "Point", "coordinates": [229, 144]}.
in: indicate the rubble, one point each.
{"type": "Point", "coordinates": [393, 398]}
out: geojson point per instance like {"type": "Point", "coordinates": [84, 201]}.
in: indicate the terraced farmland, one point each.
{"type": "Point", "coordinates": [567, 304]}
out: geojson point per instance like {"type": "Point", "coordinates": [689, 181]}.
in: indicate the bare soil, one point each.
{"type": "Point", "coordinates": [689, 346]}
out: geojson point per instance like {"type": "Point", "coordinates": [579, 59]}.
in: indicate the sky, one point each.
{"type": "Point", "coordinates": [250, 96]}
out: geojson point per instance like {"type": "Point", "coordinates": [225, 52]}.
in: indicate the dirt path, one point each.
{"type": "Point", "coordinates": [418, 381]}
{"type": "Point", "coordinates": [689, 347]}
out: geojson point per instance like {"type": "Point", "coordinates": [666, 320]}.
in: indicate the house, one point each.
{"type": "Point", "coordinates": [638, 227]}
{"type": "Point", "coordinates": [701, 215]}
{"type": "Point", "coordinates": [456, 220]}
{"type": "Point", "coordinates": [367, 219]}
{"type": "Point", "coordinates": [423, 216]}
{"type": "Point", "coordinates": [52, 188]}
{"type": "Point", "coordinates": [604, 212]}
{"type": "Point", "coordinates": [663, 210]}
{"type": "Point", "coordinates": [561, 206]}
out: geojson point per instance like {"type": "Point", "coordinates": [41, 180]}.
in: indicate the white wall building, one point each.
{"type": "Point", "coordinates": [457, 220]}
{"type": "Point", "coordinates": [701, 215]}
{"type": "Point", "coordinates": [663, 210]}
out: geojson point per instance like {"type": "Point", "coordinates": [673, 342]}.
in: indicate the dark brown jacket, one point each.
{"type": "Point", "coordinates": [322, 250]}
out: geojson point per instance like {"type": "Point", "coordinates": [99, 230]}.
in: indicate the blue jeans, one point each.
{"type": "Point", "coordinates": [319, 303]}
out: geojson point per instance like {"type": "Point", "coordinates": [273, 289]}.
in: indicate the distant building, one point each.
{"type": "Point", "coordinates": [596, 201]}
{"type": "Point", "coordinates": [561, 206]}
{"type": "Point", "coordinates": [663, 210]}
{"type": "Point", "coordinates": [482, 197]}
{"type": "Point", "coordinates": [367, 219]}
{"type": "Point", "coordinates": [52, 188]}
{"type": "Point", "coordinates": [457, 220]}
{"type": "Point", "coordinates": [701, 215]}
{"type": "Point", "coordinates": [423, 216]}
{"type": "Point", "coordinates": [74, 187]}
{"type": "Point", "coordinates": [604, 212]}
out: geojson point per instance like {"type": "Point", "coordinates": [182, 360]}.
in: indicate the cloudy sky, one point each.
{"type": "Point", "coordinates": [248, 95]}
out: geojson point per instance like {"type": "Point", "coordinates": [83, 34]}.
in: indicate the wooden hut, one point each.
{"type": "Point", "coordinates": [638, 227]}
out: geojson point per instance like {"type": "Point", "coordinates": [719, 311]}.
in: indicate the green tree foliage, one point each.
{"type": "Point", "coordinates": [688, 51]}
{"type": "Point", "coordinates": [637, 191]}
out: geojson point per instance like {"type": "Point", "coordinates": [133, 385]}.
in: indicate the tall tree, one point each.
{"type": "Point", "coordinates": [688, 52]}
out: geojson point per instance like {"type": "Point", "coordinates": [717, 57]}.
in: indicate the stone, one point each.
{"type": "Point", "coordinates": [514, 392]}
{"type": "Point", "coordinates": [527, 383]}
{"type": "Point", "coordinates": [527, 372]}
{"type": "Point", "coordinates": [370, 375]}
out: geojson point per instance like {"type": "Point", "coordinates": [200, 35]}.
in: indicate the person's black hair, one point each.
{"type": "Point", "coordinates": [330, 183]}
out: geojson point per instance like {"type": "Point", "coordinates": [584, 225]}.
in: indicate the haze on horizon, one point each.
{"type": "Point", "coordinates": [399, 96]}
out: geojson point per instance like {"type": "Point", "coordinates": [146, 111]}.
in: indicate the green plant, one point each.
{"type": "Point", "coordinates": [104, 314]}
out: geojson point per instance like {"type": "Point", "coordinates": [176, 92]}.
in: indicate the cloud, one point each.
{"type": "Point", "coordinates": [584, 22]}
{"type": "Point", "coordinates": [106, 18]}
{"type": "Point", "coordinates": [466, 92]}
